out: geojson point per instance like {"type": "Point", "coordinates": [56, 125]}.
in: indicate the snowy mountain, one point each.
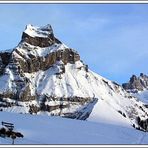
{"type": "Point", "coordinates": [138, 86]}
{"type": "Point", "coordinates": [41, 75]}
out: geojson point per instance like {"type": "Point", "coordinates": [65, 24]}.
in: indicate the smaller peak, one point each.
{"type": "Point", "coordinates": [141, 74]}
{"type": "Point", "coordinates": [35, 31]}
{"type": "Point", "coordinates": [134, 76]}
{"type": "Point", "coordinates": [46, 28]}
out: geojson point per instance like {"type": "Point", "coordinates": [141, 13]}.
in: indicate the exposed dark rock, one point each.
{"type": "Point", "coordinates": [123, 114]}
{"type": "Point", "coordinates": [45, 36]}
{"type": "Point", "coordinates": [143, 124]}
{"type": "Point", "coordinates": [4, 60]}
{"type": "Point", "coordinates": [107, 84]}
{"type": "Point", "coordinates": [48, 108]}
{"type": "Point", "coordinates": [84, 113]}
{"type": "Point", "coordinates": [33, 109]}
{"type": "Point", "coordinates": [34, 64]}
{"type": "Point", "coordinates": [5, 57]}
{"type": "Point", "coordinates": [7, 94]}
{"type": "Point", "coordinates": [5, 104]}
{"type": "Point", "coordinates": [137, 83]}
{"type": "Point", "coordinates": [25, 94]}
{"type": "Point", "coordinates": [39, 41]}
{"type": "Point", "coordinates": [146, 105]}
{"type": "Point", "coordinates": [86, 68]}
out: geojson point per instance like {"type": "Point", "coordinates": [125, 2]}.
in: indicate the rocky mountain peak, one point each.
{"type": "Point", "coordinates": [137, 83]}
{"type": "Point", "coordinates": [38, 52]}
{"type": "Point", "coordinates": [39, 36]}
{"type": "Point", "coordinates": [133, 78]}
{"type": "Point", "coordinates": [142, 75]}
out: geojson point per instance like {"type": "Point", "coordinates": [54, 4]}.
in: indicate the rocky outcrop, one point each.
{"type": "Point", "coordinates": [85, 111]}
{"type": "Point", "coordinates": [31, 62]}
{"type": "Point", "coordinates": [25, 94]}
{"type": "Point", "coordinates": [35, 63]}
{"type": "Point", "coordinates": [143, 124]}
{"type": "Point", "coordinates": [5, 57]}
{"type": "Point", "coordinates": [42, 37]}
{"type": "Point", "coordinates": [1, 66]}
{"type": "Point", "coordinates": [137, 83]}
{"type": "Point", "coordinates": [4, 60]}
{"type": "Point", "coordinates": [39, 41]}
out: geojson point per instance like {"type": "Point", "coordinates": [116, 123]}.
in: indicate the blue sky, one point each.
{"type": "Point", "coordinates": [111, 38]}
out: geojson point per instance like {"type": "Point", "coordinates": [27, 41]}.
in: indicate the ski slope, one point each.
{"type": "Point", "coordinates": [42, 129]}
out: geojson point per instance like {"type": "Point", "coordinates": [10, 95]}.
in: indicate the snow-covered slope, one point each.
{"type": "Point", "coordinates": [42, 129]}
{"type": "Point", "coordinates": [43, 75]}
{"type": "Point", "coordinates": [142, 95]}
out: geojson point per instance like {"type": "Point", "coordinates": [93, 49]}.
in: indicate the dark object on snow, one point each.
{"type": "Point", "coordinates": [7, 131]}
{"type": "Point", "coordinates": [18, 134]}
{"type": "Point", "coordinates": [2, 132]}
{"type": "Point", "coordinates": [143, 124]}
{"type": "Point", "coordinates": [10, 126]}
{"type": "Point", "coordinates": [13, 137]}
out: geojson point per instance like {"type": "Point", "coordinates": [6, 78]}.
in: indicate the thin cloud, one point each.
{"type": "Point", "coordinates": [92, 23]}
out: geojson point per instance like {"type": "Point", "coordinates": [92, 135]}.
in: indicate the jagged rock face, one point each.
{"type": "Point", "coordinates": [5, 57]}
{"type": "Point", "coordinates": [42, 37]}
{"type": "Point", "coordinates": [35, 63]}
{"type": "Point", "coordinates": [4, 60]}
{"type": "Point", "coordinates": [39, 41]}
{"type": "Point", "coordinates": [25, 94]}
{"type": "Point", "coordinates": [137, 83]}
{"type": "Point", "coordinates": [29, 61]}
{"type": "Point", "coordinates": [38, 51]}
{"type": "Point", "coordinates": [1, 66]}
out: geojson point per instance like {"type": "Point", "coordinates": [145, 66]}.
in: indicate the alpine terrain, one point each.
{"type": "Point", "coordinates": [41, 75]}
{"type": "Point", "coordinates": [138, 86]}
